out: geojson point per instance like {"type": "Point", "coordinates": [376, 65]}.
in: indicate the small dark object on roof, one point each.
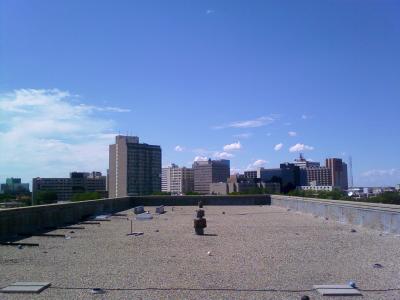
{"type": "Point", "coordinates": [353, 230]}
{"type": "Point", "coordinates": [135, 233]}
{"type": "Point", "coordinates": [72, 231]}
{"type": "Point", "coordinates": [156, 230]}
{"type": "Point", "coordinates": [97, 291]}
{"type": "Point", "coordinates": [288, 209]}
{"type": "Point", "coordinates": [326, 218]}
{"type": "Point", "coordinates": [352, 284]}
{"type": "Point", "coordinates": [305, 297]}
{"type": "Point", "coordinates": [19, 246]}
{"type": "Point", "coordinates": [378, 266]}
{"type": "Point", "coordinates": [223, 212]}
{"type": "Point", "coordinates": [200, 204]}
{"type": "Point", "coordinates": [44, 251]}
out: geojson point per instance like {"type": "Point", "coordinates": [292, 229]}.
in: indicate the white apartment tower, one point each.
{"type": "Point", "coordinates": [176, 180]}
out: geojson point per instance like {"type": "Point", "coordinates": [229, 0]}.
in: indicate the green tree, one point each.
{"type": "Point", "coordinates": [192, 194]}
{"type": "Point", "coordinates": [46, 197]}
{"type": "Point", "coordinates": [161, 194]}
{"type": "Point", "coordinates": [86, 196]}
{"type": "Point", "coordinates": [6, 197]}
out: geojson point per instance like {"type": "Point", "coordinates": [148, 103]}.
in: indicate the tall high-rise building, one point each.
{"type": "Point", "coordinates": [177, 180]}
{"type": "Point", "coordinates": [338, 170]}
{"type": "Point", "coordinates": [304, 165]}
{"type": "Point", "coordinates": [14, 186]}
{"type": "Point", "coordinates": [134, 168]}
{"type": "Point", "coordinates": [166, 180]}
{"type": "Point", "coordinates": [210, 171]}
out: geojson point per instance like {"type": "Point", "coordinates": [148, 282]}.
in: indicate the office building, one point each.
{"type": "Point", "coordinates": [210, 171]}
{"type": "Point", "coordinates": [241, 184]}
{"type": "Point", "coordinates": [339, 172]}
{"type": "Point", "coordinates": [65, 188]}
{"type": "Point", "coordinates": [287, 175]}
{"type": "Point", "coordinates": [219, 188]}
{"type": "Point", "coordinates": [318, 176]}
{"type": "Point", "coordinates": [290, 175]}
{"type": "Point", "coordinates": [166, 180]}
{"type": "Point", "coordinates": [14, 186]}
{"type": "Point", "coordinates": [250, 174]}
{"type": "Point", "coordinates": [303, 163]}
{"type": "Point", "coordinates": [268, 175]}
{"type": "Point", "coordinates": [176, 180]}
{"type": "Point", "coordinates": [317, 188]}
{"type": "Point", "coordinates": [333, 174]}
{"type": "Point", "coordinates": [134, 168]}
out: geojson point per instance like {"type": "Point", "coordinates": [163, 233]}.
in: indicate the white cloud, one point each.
{"type": "Point", "coordinates": [202, 151]}
{"type": "Point", "coordinates": [235, 171]}
{"type": "Point", "coordinates": [243, 135]}
{"type": "Point", "coordinates": [114, 109]}
{"type": "Point", "coordinates": [278, 147]}
{"type": "Point", "coordinates": [45, 133]}
{"type": "Point", "coordinates": [179, 148]}
{"type": "Point", "coordinates": [292, 133]}
{"type": "Point", "coordinates": [380, 173]}
{"type": "Point", "coordinates": [304, 117]}
{"type": "Point", "coordinates": [380, 177]}
{"type": "Point", "coordinates": [257, 164]}
{"type": "Point", "coordinates": [233, 146]}
{"type": "Point", "coordinates": [223, 155]}
{"type": "Point", "coordinates": [269, 134]}
{"type": "Point", "coordinates": [300, 147]}
{"type": "Point", "coordinates": [210, 11]}
{"type": "Point", "coordinates": [200, 158]}
{"type": "Point", "coordinates": [258, 122]}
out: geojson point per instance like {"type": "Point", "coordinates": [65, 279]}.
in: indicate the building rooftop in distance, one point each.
{"type": "Point", "coordinates": [257, 252]}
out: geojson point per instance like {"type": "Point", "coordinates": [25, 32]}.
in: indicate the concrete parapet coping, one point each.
{"type": "Point", "coordinates": [361, 205]}
{"type": "Point", "coordinates": [382, 217]}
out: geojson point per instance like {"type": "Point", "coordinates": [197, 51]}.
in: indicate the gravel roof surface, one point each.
{"type": "Point", "coordinates": [257, 252]}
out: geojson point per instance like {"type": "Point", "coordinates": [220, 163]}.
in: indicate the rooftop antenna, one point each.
{"type": "Point", "coordinates": [351, 170]}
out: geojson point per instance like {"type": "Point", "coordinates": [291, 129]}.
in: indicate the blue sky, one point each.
{"type": "Point", "coordinates": [252, 81]}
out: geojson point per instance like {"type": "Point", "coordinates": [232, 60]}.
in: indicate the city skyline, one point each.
{"type": "Point", "coordinates": [256, 83]}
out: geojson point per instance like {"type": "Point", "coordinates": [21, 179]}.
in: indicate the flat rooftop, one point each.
{"type": "Point", "coordinates": [257, 252]}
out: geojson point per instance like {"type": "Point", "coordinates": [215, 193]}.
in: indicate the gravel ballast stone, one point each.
{"type": "Point", "coordinates": [257, 253]}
